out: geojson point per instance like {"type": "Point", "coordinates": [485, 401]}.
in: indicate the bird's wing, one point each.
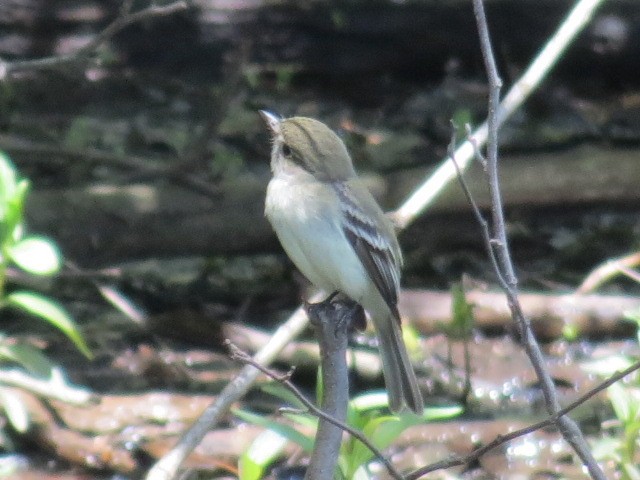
{"type": "Point", "coordinates": [372, 237]}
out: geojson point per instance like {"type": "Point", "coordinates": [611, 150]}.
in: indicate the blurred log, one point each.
{"type": "Point", "coordinates": [101, 225]}
{"type": "Point", "coordinates": [100, 436]}
{"type": "Point", "coordinates": [592, 315]}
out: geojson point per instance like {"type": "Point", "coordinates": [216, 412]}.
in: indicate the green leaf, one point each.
{"type": "Point", "coordinates": [631, 438]}
{"type": "Point", "coordinates": [36, 255]}
{"type": "Point", "coordinates": [378, 399]}
{"type": "Point", "coordinates": [14, 408]}
{"type": "Point", "coordinates": [620, 401]}
{"type": "Point", "coordinates": [570, 332]}
{"type": "Point", "coordinates": [261, 453]}
{"type": "Point", "coordinates": [371, 400]}
{"type": "Point", "coordinates": [80, 134]}
{"type": "Point", "coordinates": [381, 431]}
{"type": "Point", "coordinates": [363, 406]}
{"type": "Point", "coordinates": [411, 338]}
{"type": "Point", "coordinates": [462, 312]}
{"type": "Point", "coordinates": [283, 393]}
{"type": "Point", "coordinates": [52, 312]}
{"type": "Point", "coordinates": [286, 431]}
{"type": "Point", "coordinates": [607, 448]}
{"type": "Point", "coordinates": [302, 419]}
{"type": "Point", "coordinates": [461, 117]}
{"type": "Point", "coordinates": [385, 429]}
{"type": "Point", "coordinates": [28, 357]}
{"type": "Point", "coordinates": [12, 195]}
{"type": "Point", "coordinates": [17, 200]}
{"type": "Point", "coordinates": [8, 178]}
{"type": "Point", "coordinates": [362, 474]}
{"type": "Point", "coordinates": [442, 413]}
{"type": "Point", "coordinates": [632, 471]}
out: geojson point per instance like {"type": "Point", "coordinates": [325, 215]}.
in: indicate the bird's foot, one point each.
{"type": "Point", "coordinates": [343, 311]}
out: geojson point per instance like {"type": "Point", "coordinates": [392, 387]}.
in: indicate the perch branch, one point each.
{"type": "Point", "coordinates": [242, 356]}
{"type": "Point", "coordinates": [331, 321]}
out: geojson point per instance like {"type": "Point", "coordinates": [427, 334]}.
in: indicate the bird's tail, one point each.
{"type": "Point", "coordinates": [399, 377]}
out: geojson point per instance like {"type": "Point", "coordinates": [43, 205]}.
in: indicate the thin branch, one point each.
{"type": "Point", "coordinates": [128, 162]}
{"type": "Point", "coordinates": [495, 85]}
{"type": "Point", "coordinates": [484, 225]}
{"type": "Point", "coordinates": [435, 184]}
{"type": "Point", "coordinates": [630, 273]}
{"type": "Point", "coordinates": [502, 439]}
{"type": "Point", "coordinates": [123, 20]}
{"type": "Point", "coordinates": [168, 466]}
{"type": "Point", "coordinates": [567, 426]}
{"type": "Point", "coordinates": [609, 269]}
{"type": "Point", "coordinates": [238, 354]}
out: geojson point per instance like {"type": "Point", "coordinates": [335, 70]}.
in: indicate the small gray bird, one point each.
{"type": "Point", "coordinates": [336, 234]}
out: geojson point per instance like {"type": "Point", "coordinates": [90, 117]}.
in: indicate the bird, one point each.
{"type": "Point", "coordinates": [336, 234]}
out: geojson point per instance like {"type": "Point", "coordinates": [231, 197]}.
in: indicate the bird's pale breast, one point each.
{"type": "Point", "coordinates": [308, 225]}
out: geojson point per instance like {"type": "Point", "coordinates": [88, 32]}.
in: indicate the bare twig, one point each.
{"type": "Point", "coordinates": [429, 190]}
{"type": "Point", "coordinates": [169, 465]}
{"type": "Point", "coordinates": [93, 156]}
{"type": "Point", "coordinates": [630, 273]}
{"type": "Point", "coordinates": [484, 225]}
{"type": "Point", "coordinates": [609, 269]}
{"type": "Point", "coordinates": [314, 410]}
{"type": "Point", "coordinates": [502, 439]}
{"type": "Point", "coordinates": [499, 244]}
{"type": "Point", "coordinates": [123, 20]}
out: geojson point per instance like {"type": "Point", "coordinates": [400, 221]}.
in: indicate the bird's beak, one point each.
{"type": "Point", "coordinates": [272, 120]}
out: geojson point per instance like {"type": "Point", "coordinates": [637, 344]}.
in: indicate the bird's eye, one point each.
{"type": "Point", "coordinates": [287, 153]}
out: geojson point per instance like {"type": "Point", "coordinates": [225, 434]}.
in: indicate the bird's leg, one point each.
{"type": "Point", "coordinates": [330, 298]}
{"type": "Point", "coordinates": [327, 301]}
{"type": "Point", "coordinates": [348, 310]}
{"type": "Point", "coordinates": [351, 311]}
{"type": "Point", "coordinates": [313, 309]}
{"type": "Point", "coordinates": [344, 310]}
